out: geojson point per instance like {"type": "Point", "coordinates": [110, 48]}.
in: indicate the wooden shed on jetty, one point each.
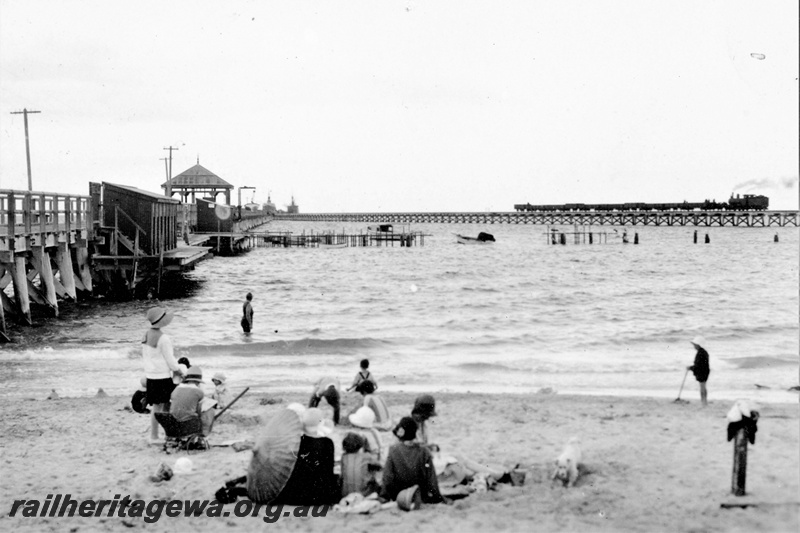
{"type": "Point", "coordinates": [136, 239]}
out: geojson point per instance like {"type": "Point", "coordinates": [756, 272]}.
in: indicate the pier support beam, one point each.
{"type": "Point", "coordinates": [40, 260]}
{"type": "Point", "coordinates": [82, 267]}
{"type": "Point", "coordinates": [20, 282]}
{"type": "Point", "coordinates": [3, 298]}
{"type": "Point", "coordinates": [67, 277]}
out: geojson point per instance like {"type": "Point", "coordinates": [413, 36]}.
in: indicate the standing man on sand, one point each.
{"type": "Point", "coordinates": [247, 313]}
{"type": "Point", "coordinates": [700, 368]}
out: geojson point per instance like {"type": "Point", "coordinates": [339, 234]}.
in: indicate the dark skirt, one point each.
{"type": "Point", "coordinates": [159, 390]}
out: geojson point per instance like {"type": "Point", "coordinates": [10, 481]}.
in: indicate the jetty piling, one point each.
{"type": "Point", "coordinates": [580, 235]}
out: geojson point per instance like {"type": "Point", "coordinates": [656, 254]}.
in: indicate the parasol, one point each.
{"type": "Point", "coordinates": [274, 457]}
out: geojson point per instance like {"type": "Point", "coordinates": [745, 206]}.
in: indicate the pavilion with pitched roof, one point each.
{"type": "Point", "coordinates": [198, 181]}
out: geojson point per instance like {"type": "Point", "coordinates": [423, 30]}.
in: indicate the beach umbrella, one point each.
{"type": "Point", "coordinates": [274, 457]}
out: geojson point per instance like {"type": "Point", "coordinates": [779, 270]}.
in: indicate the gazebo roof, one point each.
{"type": "Point", "coordinates": [197, 177]}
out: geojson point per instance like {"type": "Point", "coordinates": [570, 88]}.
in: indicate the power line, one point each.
{"type": "Point", "coordinates": [24, 113]}
{"type": "Point", "coordinates": [168, 191]}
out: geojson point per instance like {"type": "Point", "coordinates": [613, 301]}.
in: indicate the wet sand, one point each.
{"type": "Point", "coordinates": [649, 465]}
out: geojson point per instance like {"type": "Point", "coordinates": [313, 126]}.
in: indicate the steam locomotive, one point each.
{"type": "Point", "coordinates": [747, 202]}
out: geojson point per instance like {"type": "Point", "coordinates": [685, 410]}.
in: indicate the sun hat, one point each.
{"type": "Point", "coordinates": [297, 408]}
{"type": "Point", "coordinates": [183, 466]}
{"type": "Point", "coordinates": [424, 405]}
{"type": "Point", "coordinates": [159, 317]}
{"type": "Point", "coordinates": [699, 341]}
{"type": "Point", "coordinates": [364, 417]}
{"type": "Point", "coordinates": [194, 374]}
{"type": "Point", "coordinates": [314, 425]}
{"type": "Point", "coordinates": [406, 429]}
{"type": "Point", "coordinates": [219, 376]}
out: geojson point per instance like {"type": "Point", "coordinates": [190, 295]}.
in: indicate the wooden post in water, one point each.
{"type": "Point", "coordinates": [695, 236]}
{"type": "Point", "coordinates": [563, 238]}
{"type": "Point", "coordinates": [739, 462]}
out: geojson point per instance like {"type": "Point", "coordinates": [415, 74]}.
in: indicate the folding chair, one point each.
{"type": "Point", "coordinates": [186, 435]}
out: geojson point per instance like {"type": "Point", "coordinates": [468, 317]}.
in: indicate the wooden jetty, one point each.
{"type": "Point", "coordinates": [227, 230]}
{"type": "Point", "coordinates": [567, 218]}
{"type": "Point", "coordinates": [44, 236]}
{"type": "Point", "coordinates": [115, 241]}
{"type": "Point", "coordinates": [235, 242]}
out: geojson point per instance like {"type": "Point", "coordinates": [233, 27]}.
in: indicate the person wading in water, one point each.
{"type": "Point", "coordinates": [247, 313]}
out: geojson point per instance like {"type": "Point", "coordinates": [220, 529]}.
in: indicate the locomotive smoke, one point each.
{"type": "Point", "coordinates": [768, 183]}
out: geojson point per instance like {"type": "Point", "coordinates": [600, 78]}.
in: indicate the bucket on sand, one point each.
{"type": "Point", "coordinates": [409, 499]}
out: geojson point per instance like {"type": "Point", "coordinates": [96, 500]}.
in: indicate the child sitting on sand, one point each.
{"type": "Point", "coordinates": [383, 420]}
{"type": "Point", "coordinates": [220, 393]}
{"type": "Point", "coordinates": [361, 376]}
{"type": "Point", "coordinates": [358, 467]}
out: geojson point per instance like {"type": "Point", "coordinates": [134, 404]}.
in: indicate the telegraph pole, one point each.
{"type": "Point", "coordinates": [24, 113]}
{"type": "Point", "coordinates": [166, 168]}
{"type": "Point", "coordinates": [169, 174]}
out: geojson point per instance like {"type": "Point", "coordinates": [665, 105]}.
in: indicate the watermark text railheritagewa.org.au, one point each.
{"type": "Point", "coordinates": [58, 506]}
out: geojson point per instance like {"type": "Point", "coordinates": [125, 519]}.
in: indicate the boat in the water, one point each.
{"type": "Point", "coordinates": [381, 228]}
{"type": "Point", "coordinates": [482, 238]}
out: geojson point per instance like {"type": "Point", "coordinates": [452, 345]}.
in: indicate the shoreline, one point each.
{"type": "Point", "coordinates": [767, 395]}
{"type": "Point", "coordinates": [648, 464]}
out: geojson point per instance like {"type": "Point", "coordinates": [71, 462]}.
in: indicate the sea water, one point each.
{"type": "Point", "coordinates": [518, 315]}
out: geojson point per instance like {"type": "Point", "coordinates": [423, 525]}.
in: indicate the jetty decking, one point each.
{"type": "Point", "coordinates": [568, 218]}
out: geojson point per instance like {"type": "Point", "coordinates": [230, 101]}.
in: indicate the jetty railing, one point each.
{"type": "Point", "coordinates": [43, 250]}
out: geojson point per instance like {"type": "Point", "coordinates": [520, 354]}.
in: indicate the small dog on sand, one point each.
{"type": "Point", "coordinates": [567, 463]}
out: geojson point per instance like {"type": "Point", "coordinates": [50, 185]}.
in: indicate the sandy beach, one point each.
{"type": "Point", "coordinates": [649, 465]}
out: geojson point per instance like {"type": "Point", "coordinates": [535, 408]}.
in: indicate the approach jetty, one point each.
{"type": "Point", "coordinates": [706, 218]}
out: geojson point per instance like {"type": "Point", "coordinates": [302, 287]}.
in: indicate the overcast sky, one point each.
{"type": "Point", "coordinates": [407, 105]}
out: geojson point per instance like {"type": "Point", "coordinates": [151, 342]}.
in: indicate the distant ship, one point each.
{"type": "Point", "coordinates": [293, 207]}
{"type": "Point", "coordinates": [269, 207]}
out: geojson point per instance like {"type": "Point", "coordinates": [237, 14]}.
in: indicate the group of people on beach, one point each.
{"type": "Point", "coordinates": [173, 385]}
{"type": "Point", "coordinates": [366, 465]}
{"type": "Point", "coordinates": [413, 468]}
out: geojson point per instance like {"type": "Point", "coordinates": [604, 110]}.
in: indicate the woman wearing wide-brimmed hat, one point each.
{"type": "Point", "coordinates": [159, 365]}
{"type": "Point", "coordinates": [701, 368]}
{"type": "Point", "coordinates": [409, 464]}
